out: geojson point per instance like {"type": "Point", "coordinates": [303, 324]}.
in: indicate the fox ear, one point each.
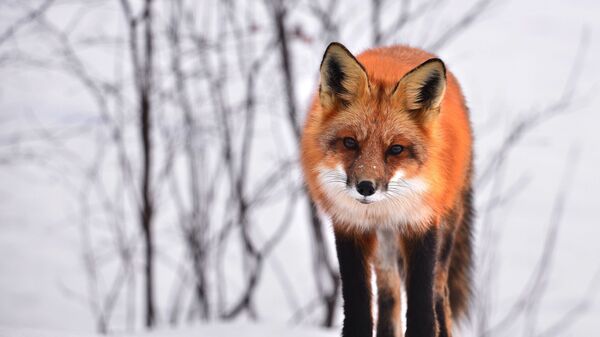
{"type": "Point", "coordinates": [422, 89]}
{"type": "Point", "coordinates": [343, 78]}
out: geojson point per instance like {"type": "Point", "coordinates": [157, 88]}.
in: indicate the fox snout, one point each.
{"type": "Point", "coordinates": [367, 175]}
{"type": "Point", "coordinates": [365, 188]}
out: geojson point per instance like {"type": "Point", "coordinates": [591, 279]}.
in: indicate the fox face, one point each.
{"type": "Point", "coordinates": [373, 141]}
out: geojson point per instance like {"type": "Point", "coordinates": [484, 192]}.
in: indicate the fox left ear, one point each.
{"type": "Point", "coordinates": [422, 89]}
{"type": "Point", "coordinates": [343, 78]}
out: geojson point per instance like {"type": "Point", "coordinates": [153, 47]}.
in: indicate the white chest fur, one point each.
{"type": "Point", "coordinates": [402, 204]}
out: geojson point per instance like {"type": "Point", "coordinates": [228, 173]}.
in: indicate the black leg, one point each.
{"type": "Point", "coordinates": [441, 291]}
{"type": "Point", "coordinates": [386, 318]}
{"type": "Point", "coordinates": [421, 254]}
{"type": "Point", "coordinates": [353, 256]}
{"type": "Point", "coordinates": [440, 310]}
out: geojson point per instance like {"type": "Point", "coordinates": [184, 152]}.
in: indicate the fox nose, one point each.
{"type": "Point", "coordinates": [365, 188]}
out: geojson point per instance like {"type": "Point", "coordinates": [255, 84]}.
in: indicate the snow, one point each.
{"type": "Point", "coordinates": [212, 330]}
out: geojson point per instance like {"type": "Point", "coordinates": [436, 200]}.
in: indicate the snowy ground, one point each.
{"type": "Point", "coordinates": [215, 330]}
{"type": "Point", "coordinates": [516, 59]}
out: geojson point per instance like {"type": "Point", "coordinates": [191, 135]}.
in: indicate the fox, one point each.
{"type": "Point", "coordinates": [386, 153]}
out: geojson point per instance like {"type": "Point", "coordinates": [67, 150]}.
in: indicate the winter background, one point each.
{"type": "Point", "coordinates": [225, 86]}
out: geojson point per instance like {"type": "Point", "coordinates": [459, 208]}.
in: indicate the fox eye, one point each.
{"type": "Point", "coordinates": [350, 143]}
{"type": "Point", "coordinates": [395, 149]}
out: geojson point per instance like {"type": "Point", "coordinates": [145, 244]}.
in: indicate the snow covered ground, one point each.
{"type": "Point", "coordinates": [214, 330]}
{"type": "Point", "coordinates": [516, 59]}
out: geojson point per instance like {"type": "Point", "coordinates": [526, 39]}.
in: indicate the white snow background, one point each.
{"type": "Point", "coordinates": [515, 59]}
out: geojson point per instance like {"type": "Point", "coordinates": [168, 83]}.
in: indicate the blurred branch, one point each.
{"type": "Point", "coordinates": [323, 269]}
{"type": "Point", "coordinates": [575, 312]}
{"type": "Point", "coordinates": [261, 255]}
{"type": "Point", "coordinates": [464, 22]}
{"type": "Point", "coordinates": [195, 226]}
{"type": "Point", "coordinates": [406, 16]}
{"type": "Point", "coordinates": [536, 118]}
{"type": "Point", "coordinates": [330, 28]}
{"type": "Point", "coordinates": [143, 67]}
{"type": "Point", "coordinates": [30, 16]}
{"type": "Point", "coordinates": [279, 13]}
{"type": "Point", "coordinates": [531, 295]}
{"type": "Point", "coordinates": [527, 304]}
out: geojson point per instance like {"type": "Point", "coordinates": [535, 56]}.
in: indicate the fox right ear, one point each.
{"type": "Point", "coordinates": [343, 78]}
{"type": "Point", "coordinates": [422, 89]}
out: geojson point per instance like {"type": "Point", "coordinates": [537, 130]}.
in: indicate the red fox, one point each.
{"type": "Point", "coordinates": [387, 155]}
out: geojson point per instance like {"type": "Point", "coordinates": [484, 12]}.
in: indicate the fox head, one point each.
{"type": "Point", "coordinates": [373, 136]}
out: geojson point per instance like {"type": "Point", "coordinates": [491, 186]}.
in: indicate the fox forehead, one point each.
{"type": "Point", "coordinates": [373, 115]}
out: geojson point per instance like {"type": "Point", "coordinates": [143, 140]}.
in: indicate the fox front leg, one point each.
{"type": "Point", "coordinates": [354, 255]}
{"type": "Point", "coordinates": [420, 256]}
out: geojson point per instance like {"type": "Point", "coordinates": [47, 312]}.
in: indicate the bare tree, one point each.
{"type": "Point", "coordinates": [143, 68]}
{"type": "Point", "coordinates": [327, 278]}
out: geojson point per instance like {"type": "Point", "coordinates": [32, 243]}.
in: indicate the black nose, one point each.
{"type": "Point", "coordinates": [365, 188]}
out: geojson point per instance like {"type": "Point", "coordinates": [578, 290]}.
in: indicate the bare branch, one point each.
{"type": "Point", "coordinates": [24, 20]}
{"type": "Point", "coordinates": [461, 25]}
